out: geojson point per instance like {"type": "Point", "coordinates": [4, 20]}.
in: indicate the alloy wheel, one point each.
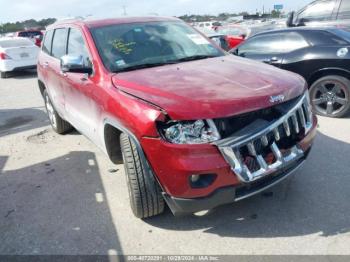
{"type": "Point", "coordinates": [330, 97]}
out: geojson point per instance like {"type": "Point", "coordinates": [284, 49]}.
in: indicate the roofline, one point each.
{"type": "Point", "coordinates": [110, 21]}
{"type": "Point", "coordinates": [296, 29]}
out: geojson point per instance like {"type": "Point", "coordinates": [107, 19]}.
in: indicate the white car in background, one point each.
{"type": "Point", "coordinates": [16, 54]}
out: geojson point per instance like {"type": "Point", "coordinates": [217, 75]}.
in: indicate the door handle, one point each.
{"type": "Point", "coordinates": [274, 59]}
{"type": "Point", "coordinates": [63, 74]}
{"type": "Point", "coordinates": [271, 60]}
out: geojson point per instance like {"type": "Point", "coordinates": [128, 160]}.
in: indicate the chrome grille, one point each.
{"type": "Point", "coordinates": [272, 148]}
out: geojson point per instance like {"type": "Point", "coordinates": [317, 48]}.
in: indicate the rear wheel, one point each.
{"type": "Point", "coordinates": [145, 195]}
{"type": "Point", "coordinates": [59, 125]}
{"type": "Point", "coordinates": [330, 96]}
{"type": "Point", "coordinates": [3, 75]}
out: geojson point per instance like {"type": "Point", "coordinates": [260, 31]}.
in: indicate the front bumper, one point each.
{"type": "Point", "coordinates": [235, 179]}
{"type": "Point", "coordinates": [228, 195]}
{"type": "Point", "coordinates": [17, 65]}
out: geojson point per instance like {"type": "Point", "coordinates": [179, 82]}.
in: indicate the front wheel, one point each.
{"type": "Point", "coordinates": [145, 196]}
{"type": "Point", "coordinates": [330, 96]}
{"type": "Point", "coordinates": [59, 125]}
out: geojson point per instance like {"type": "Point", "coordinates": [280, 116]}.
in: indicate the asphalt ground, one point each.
{"type": "Point", "coordinates": [61, 195]}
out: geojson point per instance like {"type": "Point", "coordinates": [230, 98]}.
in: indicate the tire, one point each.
{"type": "Point", "coordinates": [3, 75]}
{"type": "Point", "coordinates": [145, 195]}
{"type": "Point", "coordinates": [59, 125]}
{"type": "Point", "coordinates": [330, 96]}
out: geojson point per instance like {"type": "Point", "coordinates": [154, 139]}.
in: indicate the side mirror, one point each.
{"type": "Point", "coordinates": [74, 64]}
{"type": "Point", "coordinates": [290, 19]}
{"type": "Point", "coordinates": [302, 22]}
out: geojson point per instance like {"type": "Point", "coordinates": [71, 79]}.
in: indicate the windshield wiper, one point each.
{"type": "Point", "coordinates": [194, 57]}
{"type": "Point", "coordinates": [149, 65]}
{"type": "Point", "coordinates": [141, 66]}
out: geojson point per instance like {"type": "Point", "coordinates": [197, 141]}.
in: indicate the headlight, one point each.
{"type": "Point", "coordinates": [189, 132]}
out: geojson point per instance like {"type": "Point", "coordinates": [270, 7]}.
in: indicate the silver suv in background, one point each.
{"type": "Point", "coordinates": [322, 13]}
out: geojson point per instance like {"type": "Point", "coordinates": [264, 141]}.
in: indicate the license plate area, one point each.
{"type": "Point", "coordinates": [24, 55]}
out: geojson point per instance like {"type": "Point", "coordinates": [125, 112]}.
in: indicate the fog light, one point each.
{"type": "Point", "coordinates": [202, 181]}
{"type": "Point", "coordinates": [194, 178]}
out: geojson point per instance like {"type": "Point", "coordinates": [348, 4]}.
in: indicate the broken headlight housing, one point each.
{"type": "Point", "coordinates": [189, 132]}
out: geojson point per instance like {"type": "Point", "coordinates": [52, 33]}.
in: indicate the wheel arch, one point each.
{"type": "Point", "coordinates": [42, 87]}
{"type": "Point", "coordinates": [327, 71]}
{"type": "Point", "coordinates": [111, 127]}
{"type": "Point", "coordinates": [111, 138]}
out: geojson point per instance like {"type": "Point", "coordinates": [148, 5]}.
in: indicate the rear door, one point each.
{"type": "Point", "coordinates": [55, 77]}
{"type": "Point", "coordinates": [272, 48]}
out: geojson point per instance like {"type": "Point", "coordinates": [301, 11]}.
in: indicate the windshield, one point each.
{"type": "Point", "coordinates": [124, 47]}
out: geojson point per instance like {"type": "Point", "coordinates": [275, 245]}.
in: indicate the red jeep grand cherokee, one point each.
{"type": "Point", "coordinates": [195, 127]}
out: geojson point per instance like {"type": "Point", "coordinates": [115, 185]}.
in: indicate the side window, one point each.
{"type": "Point", "coordinates": [344, 10]}
{"type": "Point", "coordinates": [59, 42]}
{"type": "Point", "coordinates": [325, 38]}
{"type": "Point", "coordinates": [273, 44]}
{"type": "Point", "coordinates": [77, 46]}
{"type": "Point", "coordinates": [48, 42]}
{"type": "Point", "coordinates": [318, 11]}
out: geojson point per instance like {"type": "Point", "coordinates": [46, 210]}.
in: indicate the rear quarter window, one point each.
{"type": "Point", "coordinates": [47, 42]}
{"type": "Point", "coordinates": [324, 38]}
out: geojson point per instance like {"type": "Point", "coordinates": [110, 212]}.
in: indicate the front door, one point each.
{"type": "Point", "coordinates": [81, 109]}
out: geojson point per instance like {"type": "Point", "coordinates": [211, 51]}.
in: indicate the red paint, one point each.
{"type": "Point", "coordinates": [234, 41]}
{"type": "Point", "coordinates": [210, 88]}
{"type": "Point", "coordinates": [235, 34]}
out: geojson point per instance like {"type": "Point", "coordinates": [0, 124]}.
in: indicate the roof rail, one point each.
{"type": "Point", "coordinates": [70, 19]}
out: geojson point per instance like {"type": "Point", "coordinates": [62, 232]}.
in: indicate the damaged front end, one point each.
{"type": "Point", "coordinates": [270, 142]}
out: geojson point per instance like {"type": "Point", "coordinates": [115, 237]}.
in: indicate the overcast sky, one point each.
{"type": "Point", "coordinates": [19, 10]}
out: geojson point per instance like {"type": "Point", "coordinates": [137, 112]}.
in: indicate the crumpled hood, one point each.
{"type": "Point", "coordinates": [210, 88]}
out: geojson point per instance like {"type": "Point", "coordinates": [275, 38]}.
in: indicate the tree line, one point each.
{"type": "Point", "coordinates": [223, 16]}
{"type": "Point", "coordinates": [43, 23]}
{"type": "Point", "coordinates": [27, 24]}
